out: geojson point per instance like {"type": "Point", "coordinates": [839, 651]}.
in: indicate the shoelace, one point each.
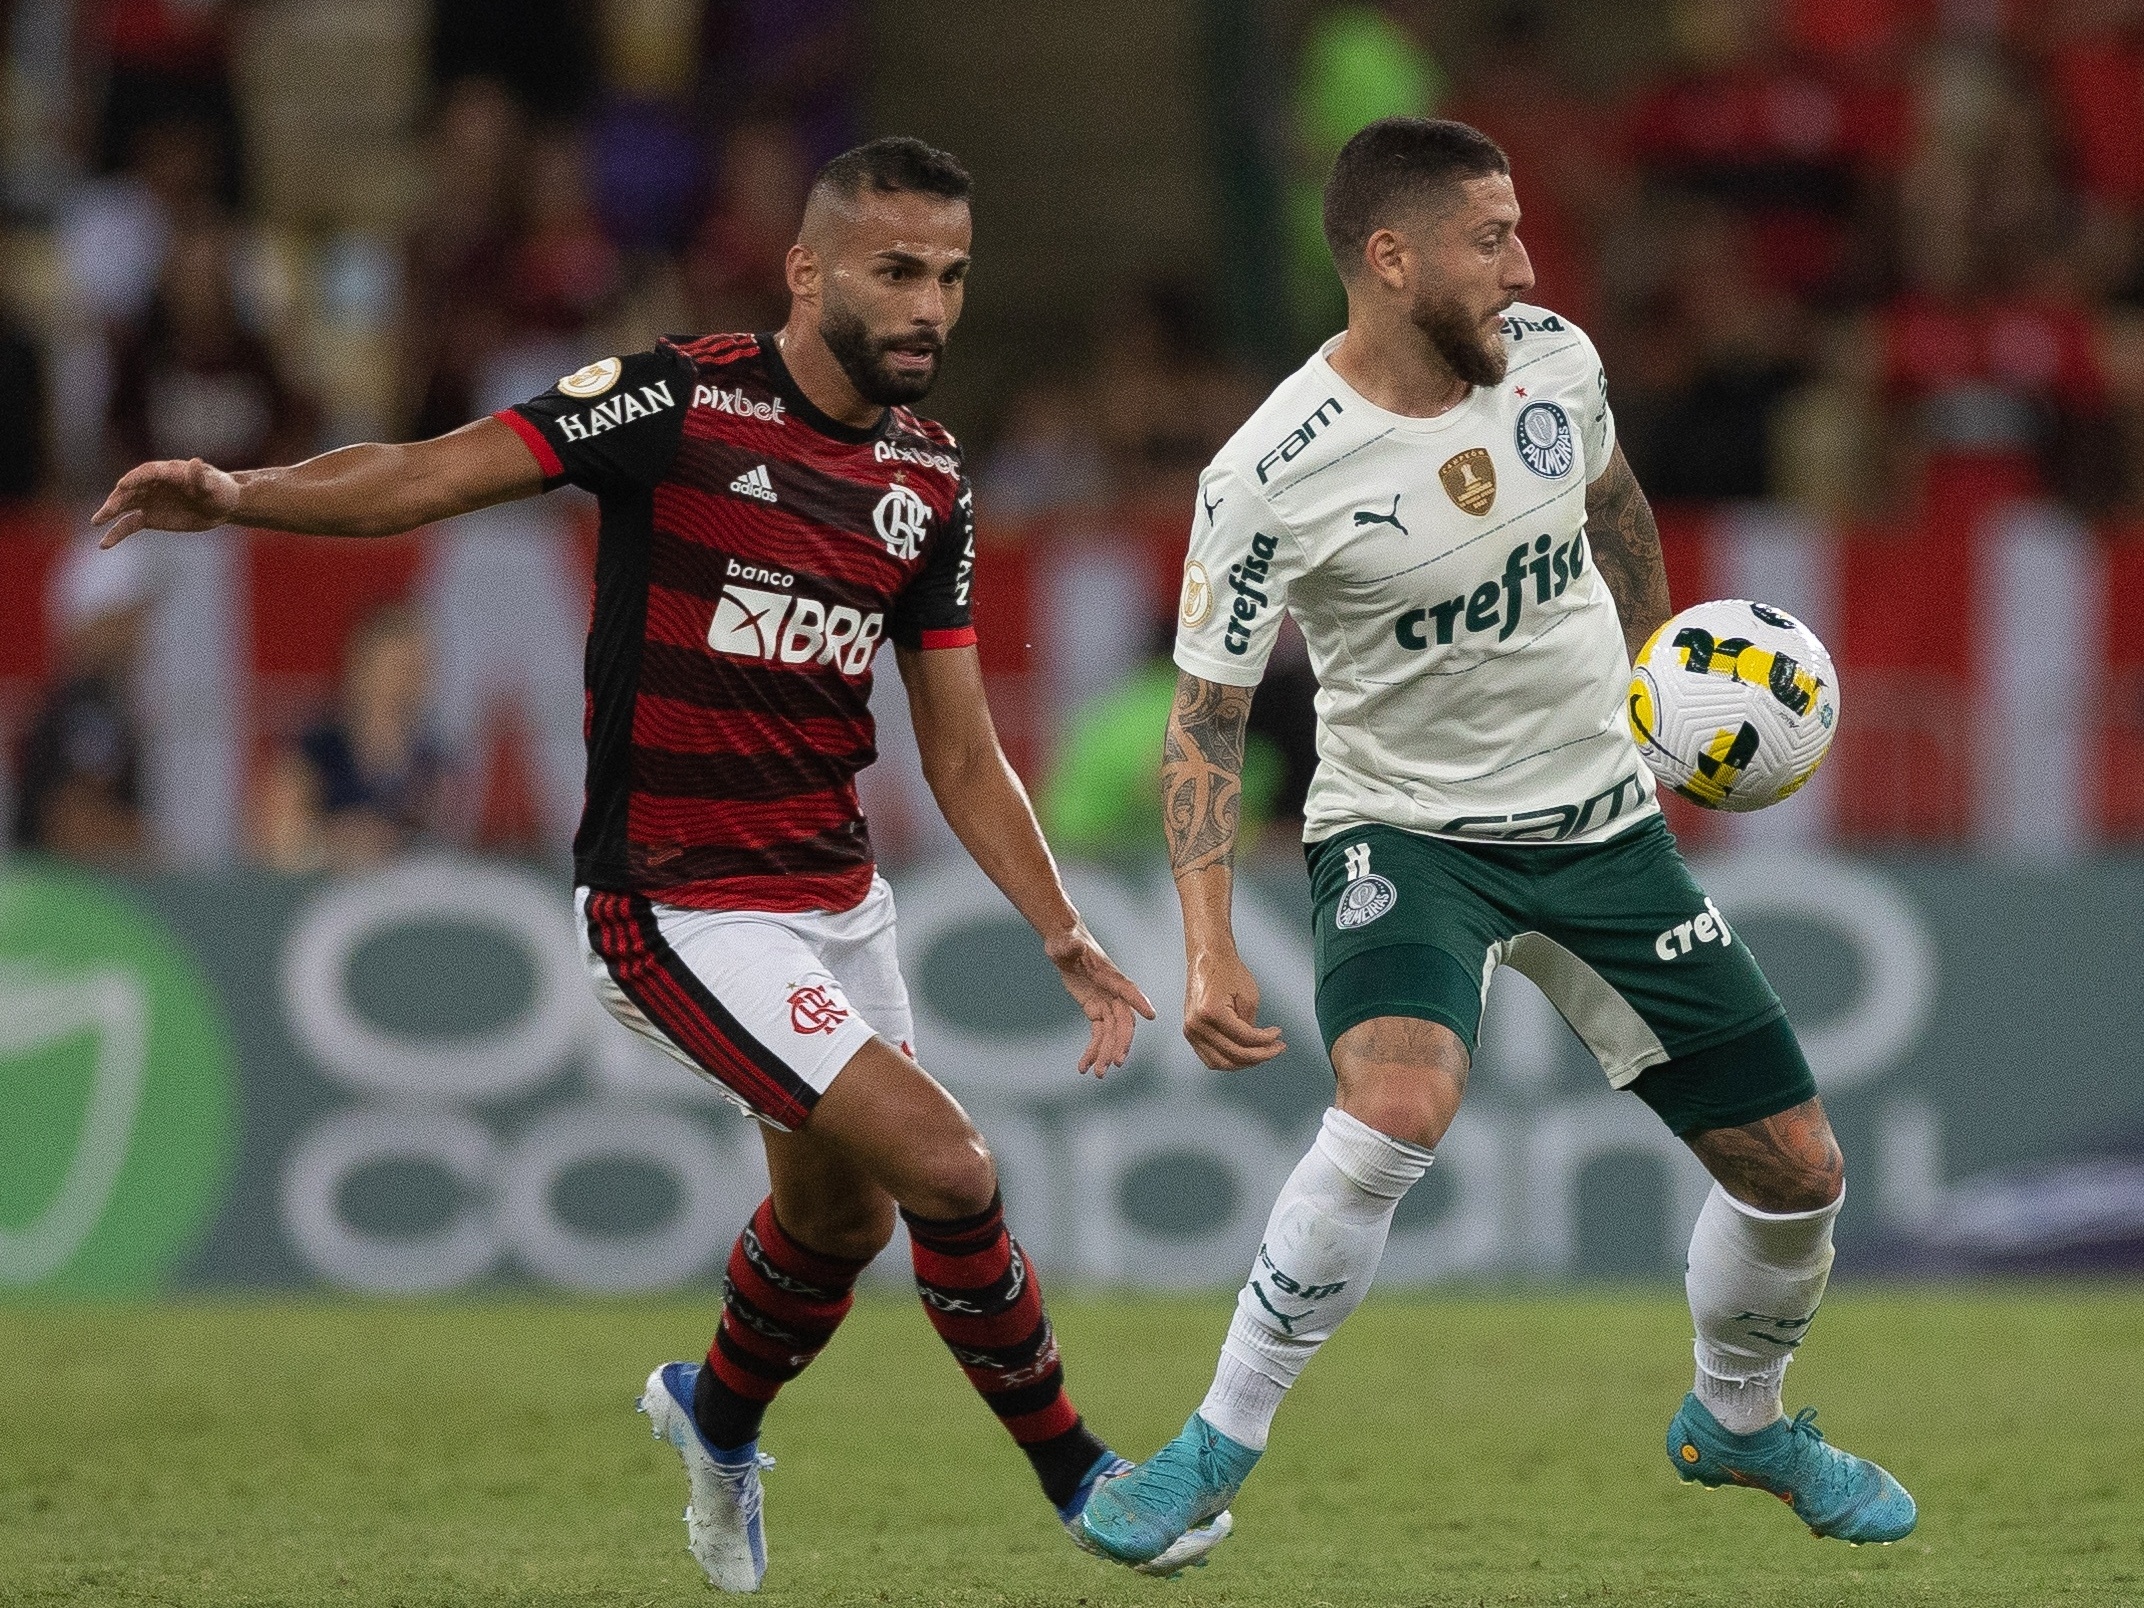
{"type": "Point", "coordinates": [1182, 1478]}
{"type": "Point", "coordinates": [739, 1478]}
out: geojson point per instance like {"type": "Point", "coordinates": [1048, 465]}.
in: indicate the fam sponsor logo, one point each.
{"type": "Point", "coordinates": [1246, 580]}
{"type": "Point", "coordinates": [901, 519]}
{"type": "Point", "coordinates": [782, 628]}
{"type": "Point", "coordinates": [1546, 443]}
{"type": "Point", "coordinates": [816, 1006]}
{"type": "Point", "coordinates": [1497, 605]}
{"type": "Point", "coordinates": [1710, 927]}
{"type": "Point", "coordinates": [623, 408]}
{"type": "Point", "coordinates": [739, 403]}
{"type": "Point", "coordinates": [1300, 437]}
{"type": "Point", "coordinates": [894, 452]}
{"type": "Point", "coordinates": [1558, 821]}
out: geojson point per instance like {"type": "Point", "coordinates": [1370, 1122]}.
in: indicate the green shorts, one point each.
{"type": "Point", "coordinates": [1618, 936]}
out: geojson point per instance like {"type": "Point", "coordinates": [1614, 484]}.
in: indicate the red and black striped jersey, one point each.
{"type": "Point", "coordinates": [753, 554]}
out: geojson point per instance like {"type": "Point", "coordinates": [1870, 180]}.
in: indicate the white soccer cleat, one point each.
{"type": "Point", "coordinates": [723, 1530]}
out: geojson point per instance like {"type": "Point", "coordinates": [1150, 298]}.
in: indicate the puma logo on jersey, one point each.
{"type": "Point", "coordinates": [1364, 516]}
{"type": "Point", "coordinates": [774, 626]}
{"type": "Point", "coordinates": [755, 482]}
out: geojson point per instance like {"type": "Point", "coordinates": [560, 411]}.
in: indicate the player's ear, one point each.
{"type": "Point", "coordinates": [1386, 256]}
{"type": "Point", "coordinates": [801, 269]}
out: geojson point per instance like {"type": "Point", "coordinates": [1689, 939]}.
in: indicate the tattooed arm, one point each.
{"type": "Point", "coordinates": [1201, 798]}
{"type": "Point", "coordinates": [1626, 546]}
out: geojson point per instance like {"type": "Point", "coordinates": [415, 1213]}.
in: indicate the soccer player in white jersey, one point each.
{"type": "Point", "coordinates": [1437, 497]}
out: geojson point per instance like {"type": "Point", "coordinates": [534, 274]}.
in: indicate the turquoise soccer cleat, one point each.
{"type": "Point", "coordinates": [1180, 1493]}
{"type": "Point", "coordinates": [1833, 1492]}
{"type": "Point", "coordinates": [1187, 1552]}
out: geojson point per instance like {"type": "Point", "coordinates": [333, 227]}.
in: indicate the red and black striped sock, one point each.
{"type": "Point", "coordinates": [984, 1302]}
{"type": "Point", "coordinates": [781, 1303]}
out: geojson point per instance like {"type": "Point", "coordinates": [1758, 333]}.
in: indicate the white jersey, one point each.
{"type": "Point", "coordinates": [1471, 667]}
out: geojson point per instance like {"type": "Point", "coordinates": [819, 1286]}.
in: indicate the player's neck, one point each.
{"type": "Point", "coordinates": [1397, 369]}
{"type": "Point", "coordinates": [820, 376]}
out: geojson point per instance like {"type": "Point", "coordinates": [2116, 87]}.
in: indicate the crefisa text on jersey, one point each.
{"type": "Point", "coordinates": [1256, 566]}
{"type": "Point", "coordinates": [623, 408]}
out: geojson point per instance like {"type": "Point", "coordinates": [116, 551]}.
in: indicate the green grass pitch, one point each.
{"type": "Point", "coordinates": [1474, 1449]}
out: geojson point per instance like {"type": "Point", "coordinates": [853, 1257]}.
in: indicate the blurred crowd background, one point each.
{"type": "Point", "coordinates": [1867, 275]}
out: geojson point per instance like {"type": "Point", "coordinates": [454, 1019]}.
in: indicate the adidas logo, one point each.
{"type": "Point", "coordinates": [755, 483]}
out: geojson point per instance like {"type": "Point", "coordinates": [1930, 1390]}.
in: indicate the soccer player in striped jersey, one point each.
{"type": "Point", "coordinates": [772, 511]}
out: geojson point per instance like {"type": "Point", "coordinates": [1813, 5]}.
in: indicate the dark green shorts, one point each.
{"type": "Point", "coordinates": [1618, 936]}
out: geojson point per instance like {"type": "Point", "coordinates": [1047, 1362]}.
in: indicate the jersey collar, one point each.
{"type": "Point", "coordinates": [809, 411]}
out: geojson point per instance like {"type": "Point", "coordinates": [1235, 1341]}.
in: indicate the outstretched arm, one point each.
{"type": "Point", "coordinates": [368, 490]}
{"type": "Point", "coordinates": [1201, 801]}
{"type": "Point", "coordinates": [982, 800]}
{"type": "Point", "coordinates": [1626, 546]}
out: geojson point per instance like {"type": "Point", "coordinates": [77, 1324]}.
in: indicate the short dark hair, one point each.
{"type": "Point", "coordinates": [892, 165]}
{"type": "Point", "coordinates": [1395, 163]}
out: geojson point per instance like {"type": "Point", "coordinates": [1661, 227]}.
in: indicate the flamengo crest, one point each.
{"type": "Point", "coordinates": [900, 519]}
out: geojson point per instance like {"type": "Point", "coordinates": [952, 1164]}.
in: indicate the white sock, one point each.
{"type": "Point", "coordinates": [1754, 1281]}
{"type": "Point", "coordinates": [1321, 1249]}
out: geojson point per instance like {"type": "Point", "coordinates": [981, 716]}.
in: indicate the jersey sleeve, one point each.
{"type": "Point", "coordinates": [1237, 573]}
{"type": "Point", "coordinates": [937, 610]}
{"type": "Point", "coordinates": [613, 426]}
{"type": "Point", "coordinates": [1596, 418]}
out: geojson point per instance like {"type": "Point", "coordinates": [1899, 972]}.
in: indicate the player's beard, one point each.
{"type": "Point", "coordinates": [1460, 339]}
{"type": "Point", "coordinates": [862, 357]}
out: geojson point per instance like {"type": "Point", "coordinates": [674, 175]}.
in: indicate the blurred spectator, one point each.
{"type": "Point", "coordinates": [191, 380]}
{"type": "Point", "coordinates": [1360, 61]}
{"type": "Point", "coordinates": [1797, 144]}
{"type": "Point", "coordinates": [566, 272]}
{"type": "Point", "coordinates": [540, 51]}
{"type": "Point", "coordinates": [1047, 456]}
{"type": "Point", "coordinates": [1699, 386]}
{"type": "Point", "coordinates": [459, 253]}
{"type": "Point", "coordinates": [24, 443]}
{"type": "Point", "coordinates": [735, 273]}
{"type": "Point", "coordinates": [157, 62]}
{"type": "Point", "coordinates": [114, 232]}
{"type": "Point", "coordinates": [78, 790]}
{"type": "Point", "coordinates": [368, 782]}
{"type": "Point", "coordinates": [1163, 398]}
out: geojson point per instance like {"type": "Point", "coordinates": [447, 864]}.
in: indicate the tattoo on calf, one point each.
{"type": "Point", "coordinates": [1202, 773]}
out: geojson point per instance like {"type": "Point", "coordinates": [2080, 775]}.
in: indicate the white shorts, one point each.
{"type": "Point", "coordinates": [766, 1005]}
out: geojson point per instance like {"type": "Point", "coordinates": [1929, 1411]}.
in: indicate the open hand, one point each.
{"type": "Point", "coordinates": [1221, 1014]}
{"type": "Point", "coordinates": [1105, 994]}
{"type": "Point", "coordinates": [172, 494]}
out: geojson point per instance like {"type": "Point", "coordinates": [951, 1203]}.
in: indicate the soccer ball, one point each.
{"type": "Point", "coordinates": [1733, 704]}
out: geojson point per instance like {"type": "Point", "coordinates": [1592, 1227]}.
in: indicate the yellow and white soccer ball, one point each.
{"type": "Point", "coordinates": [1733, 704]}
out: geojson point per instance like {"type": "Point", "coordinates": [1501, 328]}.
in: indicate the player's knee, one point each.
{"type": "Point", "coordinates": [854, 1230]}
{"type": "Point", "coordinates": [954, 1178]}
{"type": "Point", "coordinates": [1805, 1180]}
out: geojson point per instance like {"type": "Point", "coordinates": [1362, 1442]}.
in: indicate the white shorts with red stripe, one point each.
{"type": "Point", "coordinates": [766, 1005]}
